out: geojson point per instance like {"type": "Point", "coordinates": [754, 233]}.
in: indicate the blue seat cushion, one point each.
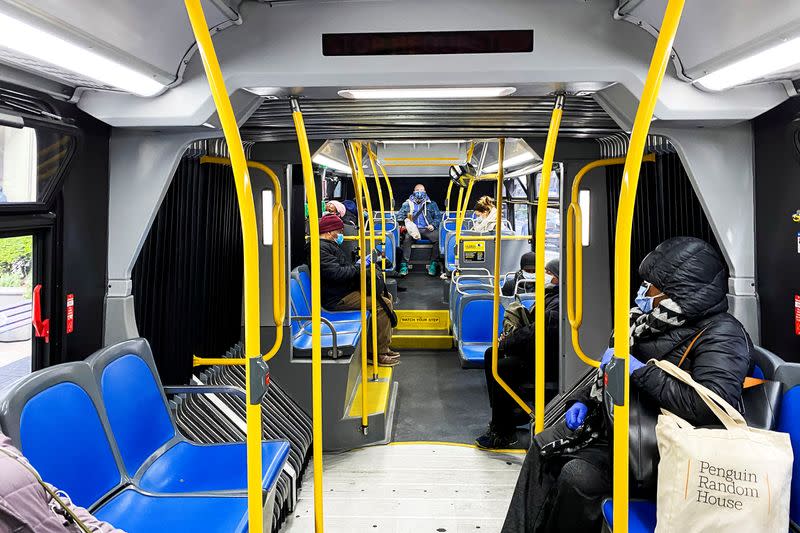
{"type": "Point", "coordinates": [189, 467]}
{"type": "Point", "coordinates": [422, 241]}
{"type": "Point", "coordinates": [135, 512]}
{"type": "Point", "coordinates": [303, 340]}
{"type": "Point", "coordinates": [641, 516]}
{"type": "Point", "coordinates": [472, 353]}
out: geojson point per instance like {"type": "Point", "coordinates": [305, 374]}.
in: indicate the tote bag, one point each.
{"type": "Point", "coordinates": [412, 230]}
{"type": "Point", "coordinates": [732, 479]}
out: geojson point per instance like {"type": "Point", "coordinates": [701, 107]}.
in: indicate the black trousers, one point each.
{"type": "Point", "coordinates": [431, 235]}
{"type": "Point", "coordinates": [505, 412]}
{"type": "Point", "coordinates": [561, 494]}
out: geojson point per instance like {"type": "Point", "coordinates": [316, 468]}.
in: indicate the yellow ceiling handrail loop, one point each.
{"type": "Point", "coordinates": [362, 285]}
{"type": "Point", "coordinates": [622, 255]}
{"type": "Point", "coordinates": [496, 290]}
{"type": "Point", "coordinates": [447, 198]}
{"type": "Point", "coordinates": [244, 193]}
{"type": "Point", "coordinates": [575, 255]}
{"type": "Point", "coordinates": [316, 313]}
{"type": "Point", "coordinates": [388, 187]}
{"type": "Point", "coordinates": [541, 226]}
{"type": "Point", "coordinates": [357, 149]}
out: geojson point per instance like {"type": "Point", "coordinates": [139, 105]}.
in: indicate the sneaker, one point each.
{"type": "Point", "coordinates": [432, 268]}
{"type": "Point", "coordinates": [443, 276]}
{"type": "Point", "coordinates": [491, 440]}
{"type": "Point", "coordinates": [404, 269]}
{"type": "Point", "coordinates": [387, 360]}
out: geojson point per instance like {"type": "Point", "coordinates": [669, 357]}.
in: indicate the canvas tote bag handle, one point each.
{"type": "Point", "coordinates": [730, 417]}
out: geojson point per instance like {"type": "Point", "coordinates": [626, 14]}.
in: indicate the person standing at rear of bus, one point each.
{"type": "Point", "coordinates": [681, 309]}
{"type": "Point", "coordinates": [340, 280]}
{"type": "Point", "coordinates": [425, 214]}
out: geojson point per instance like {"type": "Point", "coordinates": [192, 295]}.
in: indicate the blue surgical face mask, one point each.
{"type": "Point", "coordinates": [528, 275]}
{"type": "Point", "coordinates": [419, 195]}
{"type": "Point", "coordinates": [339, 238]}
{"type": "Point", "coordinates": [645, 303]}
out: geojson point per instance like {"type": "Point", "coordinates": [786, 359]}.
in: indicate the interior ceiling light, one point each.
{"type": "Point", "coordinates": [326, 161]}
{"type": "Point", "coordinates": [35, 42]}
{"type": "Point", "coordinates": [426, 141]}
{"type": "Point", "coordinates": [428, 93]}
{"type": "Point", "coordinates": [775, 59]}
{"type": "Point", "coordinates": [510, 162]}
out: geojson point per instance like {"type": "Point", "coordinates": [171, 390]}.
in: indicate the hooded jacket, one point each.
{"type": "Point", "coordinates": [691, 273]}
{"type": "Point", "coordinates": [25, 507]}
{"type": "Point", "coordinates": [429, 213]}
{"type": "Point", "coordinates": [338, 273]}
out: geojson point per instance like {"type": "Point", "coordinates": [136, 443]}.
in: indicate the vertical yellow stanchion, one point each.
{"type": "Point", "coordinates": [462, 211]}
{"type": "Point", "coordinates": [380, 203]}
{"type": "Point", "coordinates": [622, 246]}
{"type": "Point", "coordinates": [252, 326]}
{"type": "Point", "coordinates": [388, 187]}
{"type": "Point", "coordinates": [362, 284]}
{"type": "Point", "coordinates": [501, 148]}
{"type": "Point", "coordinates": [316, 311]}
{"type": "Point", "coordinates": [541, 225]}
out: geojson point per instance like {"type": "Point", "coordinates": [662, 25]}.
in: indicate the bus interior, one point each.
{"type": "Point", "coordinates": [163, 170]}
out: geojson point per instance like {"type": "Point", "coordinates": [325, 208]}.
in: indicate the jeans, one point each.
{"type": "Point", "coordinates": [352, 301]}
{"type": "Point", "coordinates": [431, 235]}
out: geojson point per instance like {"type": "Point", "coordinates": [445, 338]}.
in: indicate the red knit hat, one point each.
{"type": "Point", "coordinates": [330, 223]}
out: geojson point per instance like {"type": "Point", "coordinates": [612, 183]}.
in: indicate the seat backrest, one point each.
{"type": "Point", "coordinates": [789, 422]}
{"type": "Point", "coordinates": [765, 363]}
{"type": "Point", "coordinates": [762, 403]}
{"type": "Point", "coordinates": [134, 400]}
{"type": "Point", "coordinates": [299, 302]}
{"type": "Point", "coordinates": [305, 281]}
{"type": "Point", "coordinates": [55, 418]}
{"type": "Point", "coordinates": [476, 320]}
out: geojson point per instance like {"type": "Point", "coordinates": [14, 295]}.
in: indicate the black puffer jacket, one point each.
{"type": "Point", "coordinates": [339, 275]}
{"type": "Point", "coordinates": [520, 343]}
{"type": "Point", "coordinates": [690, 272]}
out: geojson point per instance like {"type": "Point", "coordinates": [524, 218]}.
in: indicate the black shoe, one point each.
{"type": "Point", "coordinates": [491, 440]}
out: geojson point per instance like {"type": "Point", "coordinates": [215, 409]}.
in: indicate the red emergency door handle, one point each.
{"type": "Point", "coordinates": [41, 327]}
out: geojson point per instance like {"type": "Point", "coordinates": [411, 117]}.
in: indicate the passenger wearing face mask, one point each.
{"type": "Point", "coordinates": [515, 364]}
{"type": "Point", "coordinates": [340, 279]}
{"type": "Point", "coordinates": [425, 214]}
{"type": "Point", "coordinates": [527, 272]}
{"type": "Point", "coordinates": [486, 216]}
{"type": "Point", "coordinates": [681, 310]}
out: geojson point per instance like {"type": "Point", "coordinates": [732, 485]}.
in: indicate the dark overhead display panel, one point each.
{"type": "Point", "coordinates": [427, 43]}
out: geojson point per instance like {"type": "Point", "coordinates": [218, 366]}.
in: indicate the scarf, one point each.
{"type": "Point", "coordinates": [419, 208]}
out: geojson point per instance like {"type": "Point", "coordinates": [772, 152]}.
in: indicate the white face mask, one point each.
{"type": "Point", "coordinates": [548, 278]}
{"type": "Point", "coordinates": [528, 275]}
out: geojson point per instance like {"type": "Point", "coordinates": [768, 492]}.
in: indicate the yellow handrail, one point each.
{"type": "Point", "coordinates": [357, 155]}
{"type": "Point", "coordinates": [496, 292]}
{"type": "Point", "coordinates": [316, 311]}
{"type": "Point", "coordinates": [278, 265]}
{"type": "Point", "coordinates": [362, 284]}
{"type": "Point", "coordinates": [622, 246]}
{"type": "Point", "coordinates": [447, 198]}
{"type": "Point", "coordinates": [380, 203]}
{"type": "Point", "coordinates": [575, 255]}
{"type": "Point", "coordinates": [490, 237]}
{"type": "Point", "coordinates": [247, 211]}
{"type": "Point", "coordinates": [541, 225]}
{"type": "Point", "coordinates": [462, 210]}
{"type": "Point", "coordinates": [388, 187]}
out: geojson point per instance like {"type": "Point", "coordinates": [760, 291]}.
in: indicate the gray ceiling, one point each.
{"type": "Point", "coordinates": [353, 119]}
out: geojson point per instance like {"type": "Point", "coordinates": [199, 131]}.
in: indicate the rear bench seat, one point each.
{"type": "Point", "coordinates": [101, 431]}
{"type": "Point", "coordinates": [773, 405]}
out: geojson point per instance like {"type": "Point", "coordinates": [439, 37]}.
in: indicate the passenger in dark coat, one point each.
{"type": "Point", "coordinates": [684, 295]}
{"type": "Point", "coordinates": [515, 365]}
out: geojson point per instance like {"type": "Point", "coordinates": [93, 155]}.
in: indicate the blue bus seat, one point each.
{"type": "Point", "coordinates": [345, 345]}
{"type": "Point", "coordinates": [641, 516]}
{"type": "Point", "coordinates": [343, 321]}
{"type": "Point", "coordinates": [476, 330]}
{"type": "Point", "coordinates": [147, 438]}
{"type": "Point", "coordinates": [301, 275]}
{"type": "Point", "coordinates": [61, 406]}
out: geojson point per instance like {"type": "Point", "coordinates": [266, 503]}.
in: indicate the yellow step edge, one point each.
{"type": "Point", "coordinates": [437, 319]}
{"type": "Point", "coordinates": [377, 393]}
{"type": "Point", "coordinates": [422, 342]}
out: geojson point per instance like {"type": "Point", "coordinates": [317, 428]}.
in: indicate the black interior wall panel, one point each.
{"type": "Point", "coordinates": [187, 281]}
{"type": "Point", "coordinates": [666, 206]}
{"type": "Point", "coordinates": [777, 190]}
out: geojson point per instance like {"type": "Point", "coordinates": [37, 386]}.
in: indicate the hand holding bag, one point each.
{"type": "Point", "coordinates": [412, 230]}
{"type": "Point", "coordinates": [732, 479]}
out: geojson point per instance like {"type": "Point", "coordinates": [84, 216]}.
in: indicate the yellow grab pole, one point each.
{"type": "Point", "coordinates": [316, 311]}
{"type": "Point", "coordinates": [447, 198]}
{"type": "Point", "coordinates": [357, 154]}
{"type": "Point", "coordinates": [380, 202]}
{"type": "Point", "coordinates": [622, 247]}
{"type": "Point", "coordinates": [575, 254]}
{"type": "Point", "coordinates": [247, 211]}
{"type": "Point", "coordinates": [388, 187]}
{"type": "Point", "coordinates": [541, 225]}
{"type": "Point", "coordinates": [460, 216]}
{"type": "Point", "coordinates": [496, 294]}
{"type": "Point", "coordinates": [362, 284]}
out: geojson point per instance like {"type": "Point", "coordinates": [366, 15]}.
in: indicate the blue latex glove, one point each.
{"type": "Point", "coordinates": [368, 261]}
{"type": "Point", "coordinates": [575, 415]}
{"type": "Point", "coordinates": [607, 355]}
{"type": "Point", "coordinates": [634, 364]}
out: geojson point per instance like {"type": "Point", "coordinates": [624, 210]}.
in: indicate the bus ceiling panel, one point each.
{"type": "Point", "coordinates": [433, 119]}
{"type": "Point", "coordinates": [149, 35]}
{"type": "Point", "coordinates": [713, 33]}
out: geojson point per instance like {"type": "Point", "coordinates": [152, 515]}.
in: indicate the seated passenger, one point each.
{"type": "Point", "coordinates": [486, 219]}
{"type": "Point", "coordinates": [26, 506]}
{"type": "Point", "coordinates": [683, 298]}
{"type": "Point", "coordinates": [335, 207]}
{"type": "Point", "coordinates": [350, 217]}
{"type": "Point", "coordinates": [425, 214]}
{"type": "Point", "coordinates": [340, 280]}
{"type": "Point", "coordinates": [515, 365]}
{"type": "Point", "coordinates": [527, 271]}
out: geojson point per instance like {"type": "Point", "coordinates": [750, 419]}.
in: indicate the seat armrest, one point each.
{"type": "Point", "coordinates": [205, 389]}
